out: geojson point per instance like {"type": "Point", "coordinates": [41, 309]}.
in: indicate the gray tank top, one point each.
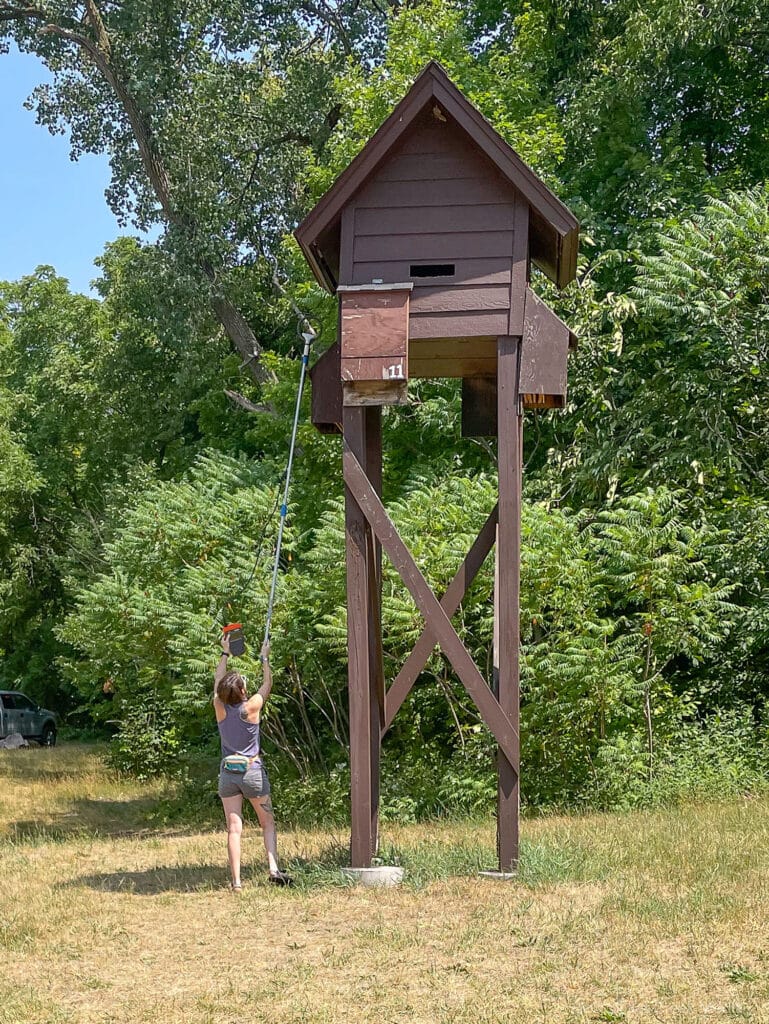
{"type": "Point", "coordinates": [237, 735]}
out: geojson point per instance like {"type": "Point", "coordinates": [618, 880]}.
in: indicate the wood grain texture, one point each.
{"type": "Point", "coordinates": [509, 422]}
{"type": "Point", "coordinates": [385, 194]}
{"type": "Point", "coordinates": [545, 350]}
{"type": "Point", "coordinates": [457, 298]}
{"type": "Point", "coordinates": [437, 247]}
{"type": "Point", "coordinates": [453, 357]}
{"type": "Point", "coordinates": [375, 368]}
{"type": "Point", "coordinates": [458, 218]}
{"type": "Point", "coordinates": [520, 270]}
{"type": "Point", "coordinates": [436, 138]}
{"type": "Point", "coordinates": [416, 167]}
{"type": "Point", "coordinates": [346, 244]}
{"type": "Point", "coordinates": [482, 324]}
{"type": "Point", "coordinates": [326, 401]}
{"type": "Point", "coordinates": [374, 323]}
{"type": "Point", "coordinates": [364, 393]}
{"type": "Point", "coordinates": [359, 667]}
{"type": "Point", "coordinates": [373, 466]}
{"type": "Point", "coordinates": [470, 366]}
{"type": "Point", "coordinates": [453, 348]}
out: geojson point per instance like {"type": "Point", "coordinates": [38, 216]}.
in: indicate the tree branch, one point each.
{"type": "Point", "coordinates": [245, 403]}
{"type": "Point", "coordinates": [8, 13]}
{"type": "Point", "coordinates": [99, 50]}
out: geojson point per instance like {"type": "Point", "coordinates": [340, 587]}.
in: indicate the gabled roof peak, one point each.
{"type": "Point", "coordinates": [554, 229]}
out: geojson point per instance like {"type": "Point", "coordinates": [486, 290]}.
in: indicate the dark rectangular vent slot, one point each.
{"type": "Point", "coordinates": [432, 270]}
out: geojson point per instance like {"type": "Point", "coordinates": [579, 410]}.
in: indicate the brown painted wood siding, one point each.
{"type": "Point", "coordinates": [437, 200]}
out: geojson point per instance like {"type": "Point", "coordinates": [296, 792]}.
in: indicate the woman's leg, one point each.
{"type": "Point", "coordinates": [233, 816]}
{"type": "Point", "coordinates": [263, 807]}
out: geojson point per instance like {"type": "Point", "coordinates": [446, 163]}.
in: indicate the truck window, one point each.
{"type": "Point", "coordinates": [23, 703]}
{"type": "Point", "coordinates": [8, 702]}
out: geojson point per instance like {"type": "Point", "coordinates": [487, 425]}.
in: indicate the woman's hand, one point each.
{"type": "Point", "coordinates": [225, 642]}
{"type": "Point", "coordinates": [265, 652]}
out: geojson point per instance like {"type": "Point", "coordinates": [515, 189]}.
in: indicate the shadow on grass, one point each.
{"type": "Point", "coordinates": [309, 873]}
{"type": "Point", "coordinates": [150, 882]}
{"type": "Point", "coordinates": [99, 819]}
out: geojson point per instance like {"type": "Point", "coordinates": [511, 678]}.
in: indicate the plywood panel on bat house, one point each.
{"type": "Point", "coordinates": [325, 377]}
{"type": "Point", "coordinates": [544, 356]}
{"type": "Point", "coordinates": [374, 343]}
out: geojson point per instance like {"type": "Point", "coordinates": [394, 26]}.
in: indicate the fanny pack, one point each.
{"type": "Point", "coordinates": [238, 764]}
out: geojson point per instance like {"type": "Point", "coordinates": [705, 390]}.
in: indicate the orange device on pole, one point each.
{"type": "Point", "coordinates": [234, 631]}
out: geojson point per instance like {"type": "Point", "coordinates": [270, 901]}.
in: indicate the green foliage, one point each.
{"type": "Point", "coordinates": [182, 563]}
{"type": "Point", "coordinates": [723, 755]}
{"type": "Point", "coordinates": [504, 85]}
{"type": "Point", "coordinates": [671, 386]}
{"type": "Point", "coordinates": [146, 744]}
{"type": "Point", "coordinates": [136, 501]}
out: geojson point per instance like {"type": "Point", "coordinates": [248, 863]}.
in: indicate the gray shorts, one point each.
{"type": "Point", "coordinates": [254, 783]}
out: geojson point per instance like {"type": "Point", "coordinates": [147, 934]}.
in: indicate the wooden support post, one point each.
{"type": "Point", "coordinates": [359, 560]}
{"type": "Point", "coordinates": [510, 428]}
{"type": "Point", "coordinates": [373, 467]}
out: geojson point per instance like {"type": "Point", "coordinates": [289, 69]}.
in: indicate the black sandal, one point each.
{"type": "Point", "coordinates": [279, 878]}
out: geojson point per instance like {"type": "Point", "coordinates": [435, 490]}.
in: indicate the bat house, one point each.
{"type": "Point", "coordinates": [428, 239]}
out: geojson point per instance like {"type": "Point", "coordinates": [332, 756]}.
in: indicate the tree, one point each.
{"type": "Point", "coordinates": [663, 594]}
{"type": "Point", "coordinates": [207, 117]}
{"type": "Point", "coordinates": [93, 404]}
{"type": "Point", "coordinates": [670, 387]}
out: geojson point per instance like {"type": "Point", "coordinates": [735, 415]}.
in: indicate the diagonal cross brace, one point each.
{"type": "Point", "coordinates": [440, 625]}
{"type": "Point", "coordinates": [450, 601]}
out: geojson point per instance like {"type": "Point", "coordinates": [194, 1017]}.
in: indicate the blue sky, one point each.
{"type": "Point", "coordinates": [52, 211]}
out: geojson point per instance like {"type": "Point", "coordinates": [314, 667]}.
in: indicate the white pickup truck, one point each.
{"type": "Point", "coordinates": [19, 714]}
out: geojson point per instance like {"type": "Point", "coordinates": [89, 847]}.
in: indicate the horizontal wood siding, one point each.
{"type": "Point", "coordinates": [473, 324]}
{"type": "Point", "coordinates": [443, 247]}
{"type": "Point", "coordinates": [433, 167]}
{"type": "Point", "coordinates": [434, 219]}
{"type": "Point", "coordinates": [466, 272]}
{"type": "Point", "coordinates": [455, 299]}
{"type": "Point", "coordinates": [439, 200]}
{"type": "Point", "coordinates": [392, 195]}
{"type": "Point", "coordinates": [436, 138]}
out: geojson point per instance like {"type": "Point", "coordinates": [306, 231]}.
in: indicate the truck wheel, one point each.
{"type": "Point", "coordinates": [48, 739]}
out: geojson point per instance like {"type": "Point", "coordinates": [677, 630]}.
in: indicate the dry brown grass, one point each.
{"type": "Point", "coordinates": [638, 918]}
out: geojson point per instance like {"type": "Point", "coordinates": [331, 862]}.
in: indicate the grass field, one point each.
{"type": "Point", "coordinates": [649, 917]}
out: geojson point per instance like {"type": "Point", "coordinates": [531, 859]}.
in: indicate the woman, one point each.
{"type": "Point", "coordinates": [238, 718]}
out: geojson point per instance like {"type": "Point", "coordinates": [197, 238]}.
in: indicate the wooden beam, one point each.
{"type": "Point", "coordinates": [359, 663]}
{"type": "Point", "coordinates": [450, 601]}
{"type": "Point", "coordinates": [510, 435]}
{"type": "Point", "coordinates": [467, 367]}
{"type": "Point", "coordinates": [373, 417]}
{"type": "Point", "coordinates": [519, 277]}
{"type": "Point", "coordinates": [495, 718]}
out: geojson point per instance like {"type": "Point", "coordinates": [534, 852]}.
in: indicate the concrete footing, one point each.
{"type": "Point", "coordinates": [499, 876]}
{"type": "Point", "coordinates": [381, 876]}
